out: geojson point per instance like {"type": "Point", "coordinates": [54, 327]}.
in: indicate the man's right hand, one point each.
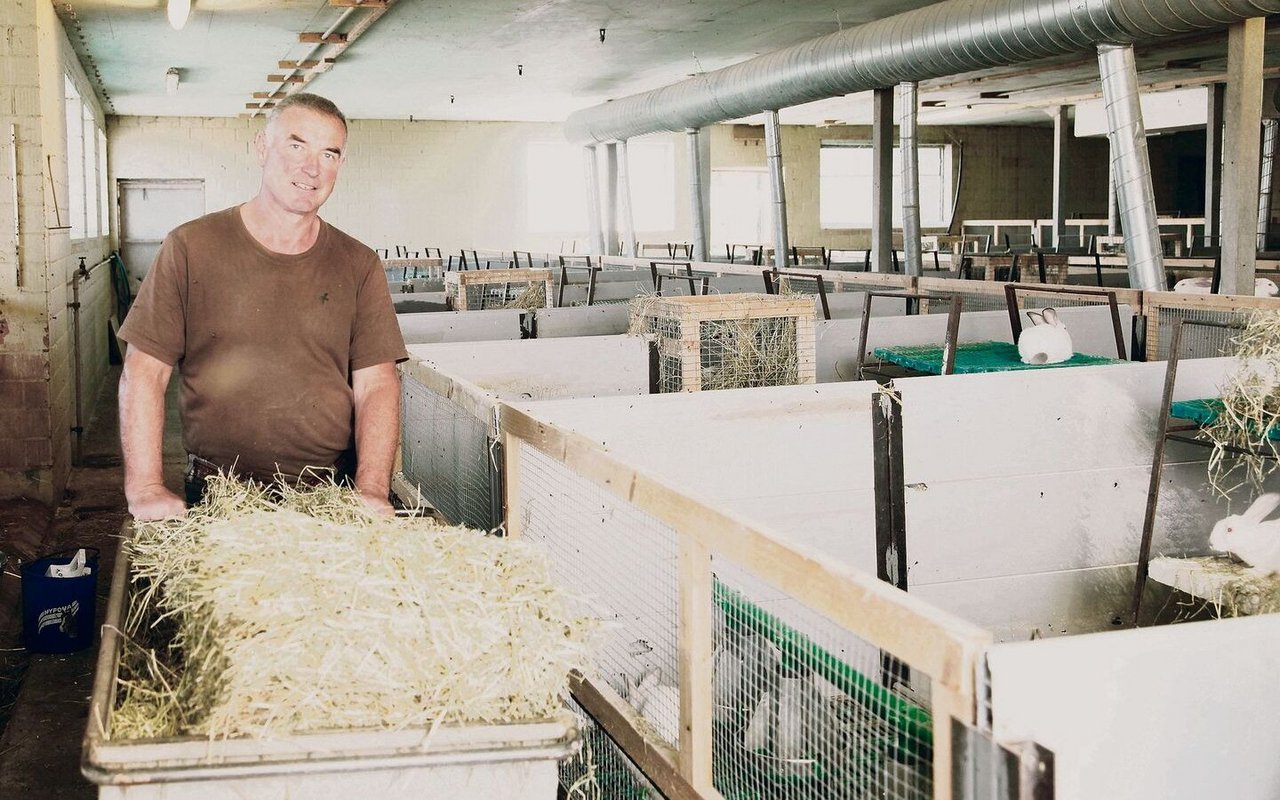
{"type": "Point", "coordinates": [153, 502]}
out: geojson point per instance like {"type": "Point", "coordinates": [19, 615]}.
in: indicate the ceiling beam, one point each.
{"type": "Point", "coordinates": [286, 79]}
{"type": "Point", "coordinates": [310, 63]}
{"type": "Point", "coordinates": [318, 37]}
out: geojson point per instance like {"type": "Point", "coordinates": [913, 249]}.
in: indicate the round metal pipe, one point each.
{"type": "Point", "coordinates": [697, 207]}
{"type": "Point", "coordinates": [947, 38]}
{"type": "Point", "coordinates": [777, 189]}
{"type": "Point", "coordinates": [611, 199]}
{"type": "Point", "coordinates": [592, 170]}
{"type": "Point", "coordinates": [907, 109]}
{"type": "Point", "coordinates": [1132, 168]}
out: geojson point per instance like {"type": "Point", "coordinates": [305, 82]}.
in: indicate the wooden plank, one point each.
{"type": "Point", "coordinates": [286, 79]}
{"type": "Point", "coordinates": [696, 640]}
{"type": "Point", "coordinates": [310, 63]}
{"type": "Point", "coordinates": [378, 4]}
{"type": "Point", "coordinates": [317, 37]}
{"type": "Point", "coordinates": [276, 95]}
{"type": "Point", "coordinates": [511, 485]}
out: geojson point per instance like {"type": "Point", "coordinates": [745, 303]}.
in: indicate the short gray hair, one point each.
{"type": "Point", "coordinates": [311, 102]}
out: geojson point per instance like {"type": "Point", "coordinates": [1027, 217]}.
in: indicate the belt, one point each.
{"type": "Point", "coordinates": [199, 469]}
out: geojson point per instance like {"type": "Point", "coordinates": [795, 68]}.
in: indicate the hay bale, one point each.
{"type": "Point", "coordinates": [260, 615]}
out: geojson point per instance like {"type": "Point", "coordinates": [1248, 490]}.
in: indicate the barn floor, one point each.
{"type": "Point", "coordinates": [45, 698]}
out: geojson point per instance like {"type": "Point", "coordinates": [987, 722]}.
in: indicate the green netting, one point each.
{"type": "Point", "coordinates": [976, 357]}
{"type": "Point", "coordinates": [1205, 412]}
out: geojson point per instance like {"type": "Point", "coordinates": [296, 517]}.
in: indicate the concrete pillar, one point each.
{"type": "Point", "coordinates": [777, 188]}
{"type": "Point", "coordinates": [1241, 140]}
{"type": "Point", "coordinates": [1061, 135]}
{"type": "Point", "coordinates": [882, 180]}
{"type": "Point", "coordinates": [595, 236]}
{"type": "Point", "coordinates": [611, 199]}
{"type": "Point", "coordinates": [625, 216]}
{"type": "Point", "coordinates": [1131, 167]}
{"type": "Point", "coordinates": [1213, 165]}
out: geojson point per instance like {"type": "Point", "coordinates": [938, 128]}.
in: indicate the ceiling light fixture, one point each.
{"type": "Point", "coordinates": [178, 11]}
{"type": "Point", "coordinates": [172, 77]}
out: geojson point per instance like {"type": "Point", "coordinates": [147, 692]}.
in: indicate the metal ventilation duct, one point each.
{"type": "Point", "coordinates": [948, 38]}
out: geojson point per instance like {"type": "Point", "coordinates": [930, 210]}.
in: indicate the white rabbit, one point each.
{"type": "Point", "coordinates": [1047, 343]}
{"type": "Point", "coordinates": [657, 703]}
{"type": "Point", "coordinates": [1250, 536]}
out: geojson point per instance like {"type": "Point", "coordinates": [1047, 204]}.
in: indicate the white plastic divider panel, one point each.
{"type": "Point", "coordinates": [1025, 491]}
{"type": "Point", "coordinates": [596, 320]}
{"type": "Point", "coordinates": [459, 326]}
{"type": "Point", "coordinates": [1180, 712]}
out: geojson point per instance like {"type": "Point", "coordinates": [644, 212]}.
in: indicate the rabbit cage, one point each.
{"type": "Point", "coordinates": [473, 290]}
{"type": "Point", "coordinates": [737, 556]}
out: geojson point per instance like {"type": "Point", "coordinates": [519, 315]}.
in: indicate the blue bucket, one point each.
{"type": "Point", "coordinates": [59, 614]}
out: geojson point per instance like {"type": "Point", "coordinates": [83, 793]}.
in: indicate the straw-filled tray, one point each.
{"type": "Point", "coordinates": [1206, 412]}
{"type": "Point", "coordinates": [975, 357]}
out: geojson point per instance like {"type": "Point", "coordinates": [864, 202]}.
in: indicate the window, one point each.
{"type": "Point", "coordinates": [741, 206]}
{"type": "Point", "coordinates": [556, 193]}
{"type": "Point", "coordinates": [86, 201]}
{"type": "Point", "coordinates": [653, 185]}
{"type": "Point", "coordinates": [845, 199]}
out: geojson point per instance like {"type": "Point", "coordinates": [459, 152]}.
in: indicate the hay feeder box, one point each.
{"type": "Point", "coordinates": [498, 288]}
{"type": "Point", "coordinates": [730, 341]}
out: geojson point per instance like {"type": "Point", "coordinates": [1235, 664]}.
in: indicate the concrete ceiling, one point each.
{"type": "Point", "coordinates": [535, 60]}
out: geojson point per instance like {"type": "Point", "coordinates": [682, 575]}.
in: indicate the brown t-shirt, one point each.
{"type": "Point", "coordinates": [265, 342]}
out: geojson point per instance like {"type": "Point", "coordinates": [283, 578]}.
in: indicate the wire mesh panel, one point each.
{"type": "Point", "coordinates": [446, 453]}
{"type": "Point", "coordinates": [1163, 311]}
{"type": "Point", "coordinates": [499, 288]}
{"type": "Point", "coordinates": [622, 562]}
{"type": "Point", "coordinates": [806, 709]}
{"type": "Point", "coordinates": [730, 341]}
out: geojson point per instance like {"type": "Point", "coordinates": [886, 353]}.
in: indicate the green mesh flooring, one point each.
{"type": "Point", "coordinates": [975, 357]}
{"type": "Point", "coordinates": [1205, 412]}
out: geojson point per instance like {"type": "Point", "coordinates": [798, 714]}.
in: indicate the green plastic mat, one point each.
{"type": "Point", "coordinates": [976, 357]}
{"type": "Point", "coordinates": [1205, 412]}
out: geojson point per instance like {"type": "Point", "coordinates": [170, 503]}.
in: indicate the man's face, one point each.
{"type": "Point", "coordinates": [300, 153]}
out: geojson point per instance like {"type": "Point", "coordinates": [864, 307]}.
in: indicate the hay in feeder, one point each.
{"type": "Point", "coordinates": [534, 296]}
{"type": "Point", "coordinates": [1245, 430]}
{"type": "Point", "coordinates": [262, 614]}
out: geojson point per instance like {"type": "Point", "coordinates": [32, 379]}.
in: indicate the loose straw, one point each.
{"type": "Point", "coordinates": [261, 614]}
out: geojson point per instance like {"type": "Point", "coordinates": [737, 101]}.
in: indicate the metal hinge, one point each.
{"type": "Point", "coordinates": [983, 769]}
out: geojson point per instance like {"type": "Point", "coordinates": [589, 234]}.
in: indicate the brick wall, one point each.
{"type": "Point", "coordinates": [36, 354]}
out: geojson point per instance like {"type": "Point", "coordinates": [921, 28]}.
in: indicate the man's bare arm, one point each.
{"type": "Point", "coordinates": [142, 387]}
{"type": "Point", "coordinates": [377, 402]}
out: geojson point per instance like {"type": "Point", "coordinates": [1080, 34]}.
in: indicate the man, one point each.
{"type": "Point", "coordinates": [282, 329]}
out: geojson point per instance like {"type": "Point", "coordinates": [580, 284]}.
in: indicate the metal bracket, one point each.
{"type": "Point", "coordinates": [983, 769]}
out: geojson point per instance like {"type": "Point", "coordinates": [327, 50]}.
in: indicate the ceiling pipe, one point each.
{"type": "Point", "coordinates": [908, 103]}
{"type": "Point", "coordinates": [777, 188]}
{"type": "Point", "coordinates": [947, 38]}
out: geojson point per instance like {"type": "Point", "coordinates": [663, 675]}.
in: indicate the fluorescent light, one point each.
{"type": "Point", "coordinates": [171, 78]}
{"type": "Point", "coordinates": [179, 10]}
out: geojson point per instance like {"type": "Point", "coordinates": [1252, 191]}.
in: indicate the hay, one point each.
{"type": "Point", "coordinates": [1250, 410]}
{"type": "Point", "coordinates": [262, 614]}
{"type": "Point", "coordinates": [535, 296]}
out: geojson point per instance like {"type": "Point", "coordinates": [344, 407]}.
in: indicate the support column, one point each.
{"type": "Point", "coordinates": [611, 199]}
{"type": "Point", "coordinates": [1213, 165]}
{"type": "Point", "coordinates": [624, 202]}
{"type": "Point", "coordinates": [1241, 140]}
{"type": "Point", "coordinates": [907, 111]}
{"type": "Point", "coordinates": [777, 189]}
{"type": "Point", "coordinates": [1113, 208]}
{"type": "Point", "coordinates": [697, 196]}
{"type": "Point", "coordinates": [882, 179]}
{"type": "Point", "coordinates": [1132, 167]}
{"type": "Point", "coordinates": [1061, 135]}
{"type": "Point", "coordinates": [595, 236]}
